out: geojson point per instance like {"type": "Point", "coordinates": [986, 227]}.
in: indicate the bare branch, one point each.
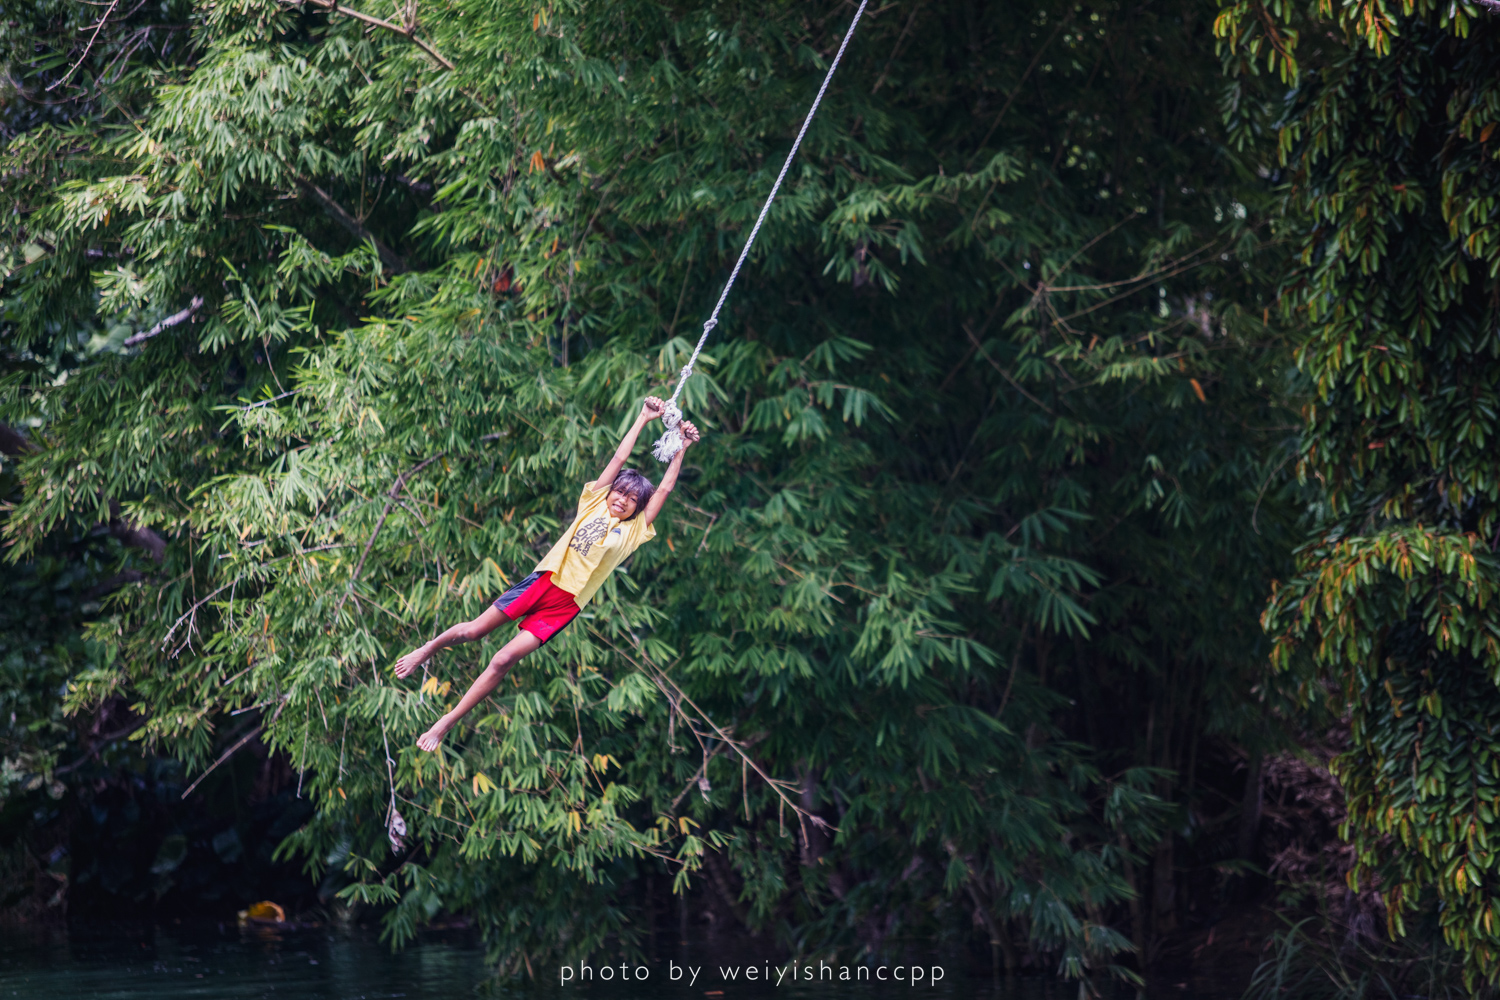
{"type": "Point", "coordinates": [189, 612]}
{"type": "Point", "coordinates": [170, 321]}
{"type": "Point", "coordinates": [230, 752]}
{"type": "Point", "coordinates": [658, 677]}
{"type": "Point", "coordinates": [87, 48]}
{"type": "Point", "coordinates": [1019, 84]}
{"type": "Point", "coordinates": [712, 520]}
{"type": "Point", "coordinates": [896, 49]}
{"type": "Point", "coordinates": [268, 402]}
{"type": "Point", "coordinates": [390, 501]}
{"type": "Point", "coordinates": [392, 261]}
{"type": "Point", "coordinates": [698, 780]}
{"type": "Point", "coordinates": [1015, 664]}
{"type": "Point", "coordinates": [99, 744]}
{"type": "Point", "coordinates": [1014, 384]}
{"type": "Point", "coordinates": [409, 32]}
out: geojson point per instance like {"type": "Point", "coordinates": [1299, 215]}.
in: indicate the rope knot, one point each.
{"type": "Point", "coordinates": [670, 443]}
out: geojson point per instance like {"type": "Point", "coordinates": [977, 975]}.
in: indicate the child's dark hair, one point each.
{"type": "Point", "coordinates": [635, 486]}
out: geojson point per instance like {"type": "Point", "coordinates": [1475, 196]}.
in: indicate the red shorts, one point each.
{"type": "Point", "coordinates": [542, 608]}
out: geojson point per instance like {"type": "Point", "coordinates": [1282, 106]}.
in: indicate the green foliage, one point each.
{"type": "Point", "coordinates": [42, 649]}
{"type": "Point", "coordinates": [986, 424]}
{"type": "Point", "coordinates": [1303, 966]}
{"type": "Point", "coordinates": [1389, 182]}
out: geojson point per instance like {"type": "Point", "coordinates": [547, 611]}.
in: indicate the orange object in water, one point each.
{"type": "Point", "coordinates": [264, 911]}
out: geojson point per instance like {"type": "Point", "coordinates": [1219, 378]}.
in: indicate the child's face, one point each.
{"type": "Point", "coordinates": [621, 504]}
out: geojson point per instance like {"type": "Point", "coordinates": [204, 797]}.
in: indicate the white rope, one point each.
{"type": "Point", "coordinates": [670, 443]}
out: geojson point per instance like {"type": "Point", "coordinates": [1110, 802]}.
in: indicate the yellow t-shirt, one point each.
{"type": "Point", "coordinates": [593, 545]}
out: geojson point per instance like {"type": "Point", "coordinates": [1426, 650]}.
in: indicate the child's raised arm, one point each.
{"type": "Point", "coordinates": [650, 410]}
{"type": "Point", "coordinates": [659, 498]}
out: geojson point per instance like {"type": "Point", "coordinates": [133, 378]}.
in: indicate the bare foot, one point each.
{"type": "Point", "coordinates": [431, 739]}
{"type": "Point", "coordinates": [408, 664]}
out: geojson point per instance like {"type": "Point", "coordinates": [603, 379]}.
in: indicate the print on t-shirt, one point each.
{"type": "Point", "coordinates": [594, 545]}
{"type": "Point", "coordinates": [588, 534]}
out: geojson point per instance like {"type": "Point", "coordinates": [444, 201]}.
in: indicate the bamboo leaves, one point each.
{"type": "Point", "coordinates": [842, 669]}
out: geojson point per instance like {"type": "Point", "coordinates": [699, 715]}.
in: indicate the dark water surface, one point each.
{"type": "Point", "coordinates": [209, 963]}
{"type": "Point", "coordinates": [179, 963]}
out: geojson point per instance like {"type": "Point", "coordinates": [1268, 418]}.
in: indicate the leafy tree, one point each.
{"type": "Point", "coordinates": [1388, 188]}
{"type": "Point", "coordinates": [348, 310]}
{"type": "Point", "coordinates": [90, 821]}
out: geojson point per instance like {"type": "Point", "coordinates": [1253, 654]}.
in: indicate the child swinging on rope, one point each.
{"type": "Point", "coordinates": [614, 519]}
{"type": "Point", "coordinates": [607, 528]}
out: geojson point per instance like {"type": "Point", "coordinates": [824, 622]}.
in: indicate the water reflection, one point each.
{"type": "Point", "coordinates": [178, 963]}
{"type": "Point", "coordinates": [107, 963]}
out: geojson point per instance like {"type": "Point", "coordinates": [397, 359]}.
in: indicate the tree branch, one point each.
{"type": "Point", "coordinates": [698, 780]}
{"type": "Point", "coordinates": [333, 7]}
{"type": "Point", "coordinates": [243, 740]}
{"type": "Point", "coordinates": [391, 260]}
{"type": "Point", "coordinates": [171, 320]}
{"type": "Point", "coordinates": [87, 48]}
{"type": "Point", "coordinates": [390, 501]}
{"type": "Point", "coordinates": [14, 442]}
{"type": "Point", "coordinates": [896, 49]}
{"type": "Point", "coordinates": [99, 744]}
{"type": "Point", "coordinates": [1007, 376]}
{"type": "Point", "coordinates": [186, 614]}
{"type": "Point", "coordinates": [136, 536]}
{"type": "Point", "coordinates": [658, 677]}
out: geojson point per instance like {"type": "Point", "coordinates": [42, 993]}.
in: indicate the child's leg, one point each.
{"type": "Point", "coordinates": [510, 654]}
{"type": "Point", "coordinates": [480, 627]}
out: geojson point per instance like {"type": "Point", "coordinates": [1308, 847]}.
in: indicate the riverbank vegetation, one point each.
{"type": "Point", "coordinates": [1080, 453]}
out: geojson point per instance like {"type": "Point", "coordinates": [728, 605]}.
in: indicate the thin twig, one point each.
{"type": "Point", "coordinates": [188, 613]}
{"type": "Point", "coordinates": [243, 740]}
{"type": "Point", "coordinates": [775, 785]}
{"type": "Point", "coordinates": [389, 259]}
{"type": "Point", "coordinates": [268, 402]}
{"type": "Point", "coordinates": [699, 774]}
{"type": "Point", "coordinates": [1147, 278]}
{"type": "Point", "coordinates": [1007, 376]}
{"type": "Point", "coordinates": [1019, 84]}
{"type": "Point", "coordinates": [377, 606]}
{"type": "Point", "coordinates": [1181, 268]}
{"type": "Point", "coordinates": [390, 502]}
{"type": "Point", "coordinates": [134, 42]}
{"type": "Point", "coordinates": [1262, 491]}
{"type": "Point", "coordinates": [99, 744]}
{"type": "Point", "coordinates": [87, 48]}
{"type": "Point", "coordinates": [318, 548]}
{"type": "Point", "coordinates": [896, 49]}
{"type": "Point", "coordinates": [420, 520]}
{"type": "Point", "coordinates": [681, 293]}
{"type": "Point", "coordinates": [974, 345]}
{"type": "Point", "coordinates": [1083, 250]}
{"type": "Point", "coordinates": [1015, 664]}
{"type": "Point", "coordinates": [712, 520]}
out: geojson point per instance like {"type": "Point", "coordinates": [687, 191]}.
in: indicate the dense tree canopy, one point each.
{"type": "Point", "coordinates": [951, 630]}
{"type": "Point", "coordinates": [1389, 192]}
